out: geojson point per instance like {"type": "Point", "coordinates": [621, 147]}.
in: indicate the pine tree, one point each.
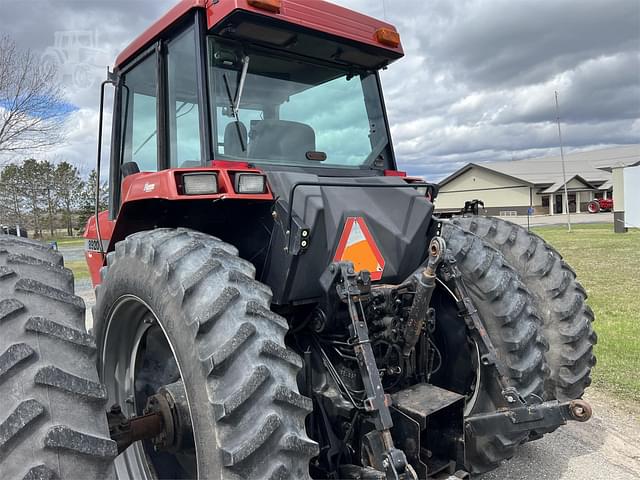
{"type": "Point", "coordinates": [68, 190]}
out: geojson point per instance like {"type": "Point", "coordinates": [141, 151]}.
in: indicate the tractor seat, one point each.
{"type": "Point", "coordinates": [232, 144]}
{"type": "Point", "coordinates": [281, 140]}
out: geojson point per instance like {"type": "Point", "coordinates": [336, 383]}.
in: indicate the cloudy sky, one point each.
{"type": "Point", "coordinates": [477, 82]}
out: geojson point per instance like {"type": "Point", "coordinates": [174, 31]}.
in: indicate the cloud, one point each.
{"type": "Point", "coordinates": [477, 82]}
{"type": "Point", "coordinates": [502, 42]}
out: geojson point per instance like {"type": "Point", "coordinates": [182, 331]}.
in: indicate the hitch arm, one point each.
{"type": "Point", "coordinates": [542, 417]}
{"type": "Point", "coordinates": [352, 287]}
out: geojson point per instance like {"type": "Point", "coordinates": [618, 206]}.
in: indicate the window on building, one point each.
{"type": "Point", "coordinates": [140, 124]}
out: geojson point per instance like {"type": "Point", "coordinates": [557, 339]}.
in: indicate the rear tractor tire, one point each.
{"type": "Point", "coordinates": [567, 320]}
{"type": "Point", "coordinates": [507, 310]}
{"type": "Point", "coordinates": [53, 423]}
{"type": "Point", "coordinates": [179, 305]}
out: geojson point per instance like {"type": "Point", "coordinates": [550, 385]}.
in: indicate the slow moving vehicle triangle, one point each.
{"type": "Point", "coordinates": [358, 246]}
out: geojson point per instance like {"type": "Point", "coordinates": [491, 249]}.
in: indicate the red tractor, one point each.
{"type": "Point", "coordinates": [600, 205]}
{"type": "Point", "coordinates": [274, 299]}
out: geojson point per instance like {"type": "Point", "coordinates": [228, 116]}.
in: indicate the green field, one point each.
{"type": "Point", "coordinates": [68, 241]}
{"type": "Point", "coordinates": [608, 266]}
{"type": "Point", "coordinates": [79, 268]}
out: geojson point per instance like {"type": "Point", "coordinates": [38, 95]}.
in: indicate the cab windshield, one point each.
{"type": "Point", "coordinates": [270, 109]}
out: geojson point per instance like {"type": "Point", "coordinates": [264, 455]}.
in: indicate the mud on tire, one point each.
{"type": "Point", "coordinates": [567, 320]}
{"type": "Point", "coordinates": [507, 309]}
{"type": "Point", "coordinates": [240, 378]}
{"type": "Point", "coordinates": [53, 423]}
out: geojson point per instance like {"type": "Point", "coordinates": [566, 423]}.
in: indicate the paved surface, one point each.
{"type": "Point", "coordinates": [542, 220]}
{"type": "Point", "coordinates": [83, 287]}
{"type": "Point", "coordinates": [605, 448]}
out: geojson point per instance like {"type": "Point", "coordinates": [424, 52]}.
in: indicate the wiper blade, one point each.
{"type": "Point", "coordinates": [243, 78]}
{"type": "Point", "coordinates": [234, 103]}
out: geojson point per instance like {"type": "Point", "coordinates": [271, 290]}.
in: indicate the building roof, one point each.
{"type": "Point", "coordinates": [559, 184]}
{"type": "Point", "coordinates": [608, 185]}
{"type": "Point", "coordinates": [546, 172]}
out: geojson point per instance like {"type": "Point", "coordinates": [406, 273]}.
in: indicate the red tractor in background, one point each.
{"type": "Point", "coordinates": [274, 299]}
{"type": "Point", "coordinates": [598, 205]}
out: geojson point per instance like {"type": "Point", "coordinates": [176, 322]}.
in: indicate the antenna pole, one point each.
{"type": "Point", "coordinates": [564, 171]}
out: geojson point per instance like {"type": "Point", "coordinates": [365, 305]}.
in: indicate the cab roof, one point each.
{"type": "Point", "coordinates": [317, 15]}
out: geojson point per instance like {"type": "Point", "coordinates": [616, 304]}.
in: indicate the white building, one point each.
{"type": "Point", "coordinates": [512, 187]}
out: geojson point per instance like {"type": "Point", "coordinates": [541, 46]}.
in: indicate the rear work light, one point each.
{"type": "Point", "coordinates": [268, 5]}
{"type": "Point", "coordinates": [388, 37]}
{"type": "Point", "coordinates": [201, 183]}
{"type": "Point", "coordinates": [250, 183]}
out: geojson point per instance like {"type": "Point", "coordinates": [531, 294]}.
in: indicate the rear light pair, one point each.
{"type": "Point", "coordinates": [206, 183]}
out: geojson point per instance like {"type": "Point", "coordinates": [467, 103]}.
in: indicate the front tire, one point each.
{"type": "Point", "coordinates": [203, 308]}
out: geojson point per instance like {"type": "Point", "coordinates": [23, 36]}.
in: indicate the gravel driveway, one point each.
{"type": "Point", "coordinates": [605, 448]}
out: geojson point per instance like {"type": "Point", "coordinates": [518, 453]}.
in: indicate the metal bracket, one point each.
{"type": "Point", "coordinates": [542, 418]}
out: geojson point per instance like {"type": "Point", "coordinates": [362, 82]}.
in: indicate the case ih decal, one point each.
{"type": "Point", "coordinates": [358, 246]}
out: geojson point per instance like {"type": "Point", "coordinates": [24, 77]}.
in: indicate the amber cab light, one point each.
{"type": "Point", "coordinates": [269, 5]}
{"type": "Point", "coordinates": [388, 37]}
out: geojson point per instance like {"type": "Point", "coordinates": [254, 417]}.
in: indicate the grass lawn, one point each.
{"type": "Point", "coordinates": [79, 268]}
{"type": "Point", "coordinates": [68, 241]}
{"type": "Point", "coordinates": [608, 266]}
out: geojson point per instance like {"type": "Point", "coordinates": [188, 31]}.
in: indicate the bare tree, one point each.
{"type": "Point", "coordinates": [32, 110]}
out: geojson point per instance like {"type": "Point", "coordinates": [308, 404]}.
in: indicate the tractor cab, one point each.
{"type": "Point", "coordinates": [260, 82]}
{"type": "Point", "coordinates": [250, 104]}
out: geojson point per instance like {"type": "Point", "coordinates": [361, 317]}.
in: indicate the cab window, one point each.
{"type": "Point", "coordinates": [140, 120]}
{"type": "Point", "coordinates": [183, 112]}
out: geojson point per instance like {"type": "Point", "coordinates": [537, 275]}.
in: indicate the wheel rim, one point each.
{"type": "Point", "coordinates": [468, 369]}
{"type": "Point", "coordinates": [137, 359]}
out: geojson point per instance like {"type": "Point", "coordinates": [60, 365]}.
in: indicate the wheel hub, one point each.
{"type": "Point", "coordinates": [166, 422]}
